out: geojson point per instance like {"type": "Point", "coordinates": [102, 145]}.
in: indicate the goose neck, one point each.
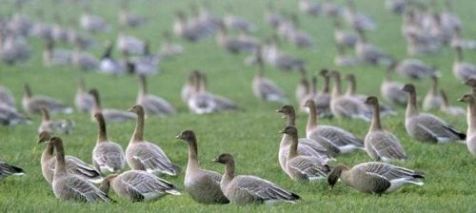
{"type": "Point", "coordinates": [294, 146]}
{"type": "Point", "coordinates": [375, 123]}
{"type": "Point", "coordinates": [138, 134]}
{"type": "Point", "coordinates": [411, 105]}
{"type": "Point", "coordinates": [471, 117]}
{"type": "Point", "coordinates": [192, 154]}
{"type": "Point", "coordinates": [102, 131]}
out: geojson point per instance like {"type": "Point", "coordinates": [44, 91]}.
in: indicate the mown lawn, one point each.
{"type": "Point", "coordinates": [252, 135]}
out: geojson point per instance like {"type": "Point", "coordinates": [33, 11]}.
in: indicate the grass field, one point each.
{"type": "Point", "coordinates": [252, 136]}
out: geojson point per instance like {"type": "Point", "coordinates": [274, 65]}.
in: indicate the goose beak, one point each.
{"type": "Point", "coordinates": [460, 100]}
{"type": "Point", "coordinates": [178, 136]}
{"type": "Point", "coordinates": [215, 160]}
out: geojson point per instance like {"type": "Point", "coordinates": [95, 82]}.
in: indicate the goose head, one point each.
{"type": "Point", "coordinates": [224, 158]}
{"type": "Point", "coordinates": [286, 110]}
{"type": "Point", "coordinates": [138, 109]}
{"type": "Point", "coordinates": [186, 135]}
{"type": "Point", "coordinates": [467, 98]}
{"type": "Point", "coordinates": [409, 88]}
{"type": "Point", "coordinates": [471, 82]}
{"type": "Point", "coordinates": [310, 104]}
{"type": "Point", "coordinates": [334, 176]}
{"type": "Point", "coordinates": [372, 100]}
{"type": "Point", "coordinates": [44, 137]}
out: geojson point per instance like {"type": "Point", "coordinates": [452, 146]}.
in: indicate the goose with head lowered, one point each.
{"type": "Point", "coordinates": [380, 144]}
{"type": "Point", "coordinates": [110, 115]}
{"type": "Point", "coordinates": [144, 155]}
{"type": "Point", "coordinates": [343, 106]}
{"type": "Point", "coordinates": [153, 105]}
{"type": "Point", "coordinates": [8, 169]}
{"type": "Point", "coordinates": [137, 186]}
{"type": "Point", "coordinates": [302, 167]}
{"type": "Point", "coordinates": [470, 100]}
{"type": "Point", "coordinates": [248, 189]}
{"type": "Point", "coordinates": [303, 87]}
{"type": "Point", "coordinates": [323, 98]}
{"type": "Point", "coordinates": [375, 177]}
{"type": "Point", "coordinates": [54, 126]}
{"type": "Point", "coordinates": [10, 116]}
{"type": "Point", "coordinates": [414, 69]}
{"type": "Point", "coordinates": [73, 164]}
{"type": "Point", "coordinates": [107, 156]}
{"type": "Point", "coordinates": [32, 104]}
{"type": "Point", "coordinates": [202, 185]}
{"type": "Point", "coordinates": [426, 127]}
{"type": "Point", "coordinates": [6, 97]}
{"type": "Point", "coordinates": [334, 139]}
{"type": "Point", "coordinates": [71, 187]}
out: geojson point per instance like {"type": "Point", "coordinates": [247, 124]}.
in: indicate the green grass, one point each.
{"type": "Point", "coordinates": [252, 136]}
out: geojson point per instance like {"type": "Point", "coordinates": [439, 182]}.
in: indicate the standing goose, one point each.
{"type": "Point", "coordinates": [33, 104]}
{"type": "Point", "coordinates": [343, 106]}
{"type": "Point", "coordinates": [138, 186]}
{"type": "Point", "coordinates": [108, 156]}
{"type": "Point", "coordinates": [83, 101]}
{"type": "Point", "coordinates": [8, 169]}
{"type": "Point", "coordinates": [110, 115]}
{"type": "Point", "coordinates": [67, 186]}
{"type": "Point", "coordinates": [10, 116]}
{"type": "Point", "coordinates": [144, 155]}
{"type": "Point", "coordinates": [380, 144]}
{"type": "Point", "coordinates": [370, 53]}
{"type": "Point", "coordinates": [323, 99]}
{"type": "Point", "coordinates": [202, 185]}
{"type": "Point", "coordinates": [73, 164]}
{"type": "Point", "coordinates": [199, 100]}
{"type": "Point", "coordinates": [414, 69]}
{"type": "Point", "coordinates": [312, 95]}
{"type": "Point", "coordinates": [301, 167]}
{"type": "Point", "coordinates": [6, 97]}
{"type": "Point", "coordinates": [264, 88]}
{"type": "Point", "coordinates": [303, 87]}
{"type": "Point", "coordinates": [391, 90]}
{"type": "Point", "coordinates": [433, 99]}
{"type": "Point", "coordinates": [427, 127]}
{"type": "Point", "coordinates": [51, 126]}
{"type": "Point", "coordinates": [189, 86]}
{"type": "Point", "coordinates": [153, 105]}
{"type": "Point", "coordinates": [472, 84]}
{"type": "Point", "coordinates": [471, 121]}
{"type": "Point", "coordinates": [463, 70]}
{"type": "Point", "coordinates": [222, 103]}
{"type": "Point", "coordinates": [248, 189]}
{"type": "Point", "coordinates": [168, 48]}
{"type": "Point", "coordinates": [448, 109]}
{"type": "Point", "coordinates": [334, 139]}
{"type": "Point", "coordinates": [109, 65]}
{"type": "Point", "coordinates": [375, 177]}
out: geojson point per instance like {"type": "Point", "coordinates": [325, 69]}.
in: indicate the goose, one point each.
{"type": "Point", "coordinates": [472, 83]}
{"type": "Point", "coordinates": [93, 23]}
{"type": "Point", "coordinates": [84, 60]}
{"type": "Point", "coordinates": [109, 65]}
{"type": "Point", "coordinates": [312, 95]}
{"type": "Point", "coordinates": [433, 99]}
{"type": "Point", "coordinates": [336, 140]}
{"type": "Point", "coordinates": [10, 116]}
{"type": "Point", "coordinates": [391, 90]}
{"type": "Point", "coordinates": [426, 127]}
{"type": "Point", "coordinates": [342, 59]}
{"type": "Point", "coordinates": [248, 189]}
{"type": "Point", "coordinates": [302, 167]}
{"type": "Point", "coordinates": [14, 49]}
{"type": "Point", "coordinates": [8, 169]}
{"type": "Point", "coordinates": [168, 48]}
{"type": "Point", "coordinates": [370, 53]}
{"type": "Point", "coordinates": [67, 186]}
{"type": "Point", "coordinates": [81, 40]}
{"type": "Point", "coordinates": [303, 87]}
{"type": "Point", "coordinates": [222, 103]}
{"type": "Point", "coordinates": [182, 27]}
{"type": "Point", "coordinates": [331, 9]}
{"type": "Point", "coordinates": [307, 147]}
{"type": "Point", "coordinates": [107, 156]}
{"type": "Point", "coordinates": [310, 8]}
{"type": "Point", "coordinates": [146, 64]}
{"type": "Point", "coordinates": [414, 69]}
{"type": "Point", "coordinates": [264, 88]}
{"type": "Point", "coordinates": [153, 105]}
{"type": "Point", "coordinates": [375, 177]}
{"type": "Point", "coordinates": [380, 144]}
{"type": "Point", "coordinates": [448, 109]}
{"type": "Point", "coordinates": [138, 186]}
{"type": "Point", "coordinates": [297, 37]}
{"type": "Point", "coordinates": [233, 22]}
{"type": "Point", "coordinates": [199, 100]}
{"type": "Point", "coordinates": [323, 98]}
{"type": "Point", "coordinates": [272, 17]}
{"type": "Point", "coordinates": [235, 45]}
{"type": "Point", "coordinates": [110, 115]}
{"type": "Point", "coordinates": [51, 126]}
{"type": "Point", "coordinates": [73, 165]}
{"type": "Point", "coordinates": [470, 100]}
{"type": "Point", "coordinates": [32, 104]}
{"type": "Point", "coordinates": [189, 86]}
{"type": "Point", "coordinates": [202, 185]}
{"type": "Point", "coordinates": [270, 54]}
{"type": "Point", "coordinates": [129, 19]}
{"type": "Point", "coordinates": [130, 44]}
{"type": "Point", "coordinates": [54, 56]}
{"type": "Point", "coordinates": [83, 101]}
{"type": "Point", "coordinates": [343, 106]}
{"type": "Point", "coordinates": [343, 38]}
{"type": "Point", "coordinates": [144, 155]}
{"type": "Point", "coordinates": [6, 97]}
{"type": "Point", "coordinates": [358, 20]}
{"type": "Point", "coordinates": [463, 71]}
{"type": "Point", "coordinates": [396, 6]}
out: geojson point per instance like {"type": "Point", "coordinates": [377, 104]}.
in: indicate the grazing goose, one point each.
{"type": "Point", "coordinates": [168, 48]}
{"type": "Point", "coordinates": [51, 126]}
{"type": "Point", "coordinates": [222, 103]}
{"type": "Point", "coordinates": [356, 19]}
{"type": "Point", "coordinates": [343, 106]}
{"type": "Point", "coordinates": [93, 23]}
{"type": "Point", "coordinates": [247, 189]}
{"type": "Point", "coordinates": [370, 53]}
{"type": "Point", "coordinates": [73, 164]}
{"type": "Point", "coordinates": [108, 156]}
{"type": "Point", "coordinates": [144, 155]}
{"type": "Point", "coordinates": [235, 45]}
{"type": "Point", "coordinates": [380, 144]}
{"type": "Point", "coordinates": [130, 44]}
{"type": "Point", "coordinates": [8, 169]}
{"type": "Point", "coordinates": [303, 87]}
{"type": "Point", "coordinates": [54, 56]}
{"type": "Point", "coordinates": [189, 86]}
{"type": "Point", "coordinates": [307, 147]}
{"type": "Point", "coordinates": [14, 49]}
{"type": "Point", "coordinates": [342, 59]}
{"type": "Point", "coordinates": [110, 115]}
{"type": "Point", "coordinates": [449, 109]}
{"type": "Point", "coordinates": [264, 88]}
{"type": "Point", "coordinates": [109, 65]}
{"type": "Point", "coordinates": [427, 127]}
{"type": "Point", "coordinates": [83, 101]}
{"type": "Point", "coordinates": [463, 71]}
{"type": "Point", "coordinates": [471, 121]}
{"type": "Point", "coordinates": [146, 64]}
{"type": "Point", "coordinates": [184, 28]}
{"type": "Point", "coordinates": [334, 139]}
{"type": "Point", "coordinates": [344, 38]}
{"type": "Point", "coordinates": [433, 99]}
{"type": "Point", "coordinates": [10, 116]}
{"type": "Point", "coordinates": [84, 60]}
{"type": "Point", "coordinates": [138, 186]}
{"type": "Point", "coordinates": [391, 90]}
{"type": "Point", "coordinates": [302, 167]}
{"type": "Point", "coordinates": [202, 185]}
{"type": "Point", "coordinates": [233, 22]}
{"type": "Point", "coordinates": [153, 105]}
{"type": "Point", "coordinates": [310, 8]}
{"type": "Point", "coordinates": [67, 186]}
{"type": "Point", "coordinates": [129, 19]}
{"type": "Point", "coordinates": [33, 104]}
{"type": "Point", "coordinates": [414, 69]}
{"type": "Point", "coordinates": [375, 177]}
{"type": "Point", "coordinates": [323, 99]}
{"type": "Point", "coordinates": [6, 97]}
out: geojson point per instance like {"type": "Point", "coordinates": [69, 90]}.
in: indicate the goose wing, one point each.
{"type": "Point", "coordinates": [78, 167]}
{"type": "Point", "coordinates": [388, 171]}
{"type": "Point", "coordinates": [154, 159]}
{"type": "Point", "coordinates": [310, 167]}
{"type": "Point", "coordinates": [438, 129]}
{"type": "Point", "coordinates": [143, 185]}
{"type": "Point", "coordinates": [7, 170]}
{"type": "Point", "coordinates": [109, 156]}
{"type": "Point", "coordinates": [264, 190]}
{"type": "Point", "coordinates": [386, 146]}
{"type": "Point", "coordinates": [85, 191]}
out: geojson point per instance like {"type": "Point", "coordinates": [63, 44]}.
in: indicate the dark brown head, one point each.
{"type": "Point", "coordinates": [186, 135]}
{"type": "Point", "coordinates": [224, 158]}
{"type": "Point", "coordinates": [334, 176]}
{"type": "Point", "coordinates": [467, 98]}
{"type": "Point", "coordinates": [138, 109]}
{"type": "Point", "coordinates": [98, 116]}
{"type": "Point", "coordinates": [471, 82]}
{"type": "Point", "coordinates": [290, 130]}
{"type": "Point", "coordinates": [310, 103]}
{"type": "Point", "coordinates": [372, 100]}
{"type": "Point", "coordinates": [324, 72]}
{"type": "Point", "coordinates": [44, 137]}
{"type": "Point", "coordinates": [410, 88]}
{"type": "Point", "coordinates": [286, 110]}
